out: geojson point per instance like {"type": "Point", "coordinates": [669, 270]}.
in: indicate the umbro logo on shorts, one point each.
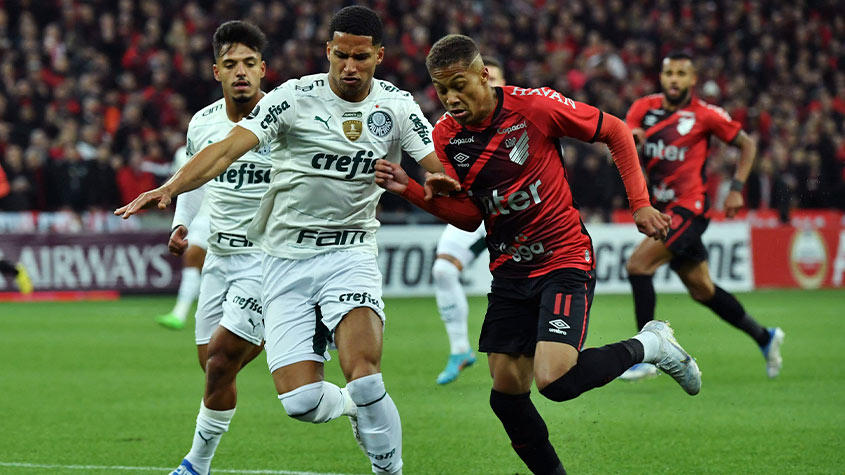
{"type": "Point", "coordinates": [558, 326]}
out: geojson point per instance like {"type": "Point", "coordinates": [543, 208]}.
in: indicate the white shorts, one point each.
{"type": "Point", "coordinates": [465, 246]}
{"type": "Point", "coordinates": [199, 232]}
{"type": "Point", "coordinates": [305, 299]}
{"type": "Point", "coordinates": [230, 296]}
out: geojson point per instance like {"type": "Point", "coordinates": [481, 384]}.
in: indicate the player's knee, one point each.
{"type": "Point", "coordinates": [219, 369]}
{"type": "Point", "coordinates": [636, 267]}
{"type": "Point", "coordinates": [544, 379]}
{"type": "Point", "coordinates": [367, 390]}
{"type": "Point", "coordinates": [445, 273]}
{"type": "Point", "coordinates": [700, 291]}
{"type": "Point", "coordinates": [302, 402]}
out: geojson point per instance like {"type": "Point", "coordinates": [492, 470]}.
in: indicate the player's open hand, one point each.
{"type": "Point", "coordinates": [391, 176]}
{"type": "Point", "coordinates": [178, 243]}
{"type": "Point", "coordinates": [652, 223]}
{"type": "Point", "coordinates": [733, 203]}
{"type": "Point", "coordinates": [439, 184]}
{"type": "Point", "coordinates": [148, 199]}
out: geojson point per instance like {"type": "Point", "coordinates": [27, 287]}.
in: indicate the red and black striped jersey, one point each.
{"type": "Point", "coordinates": [512, 169]}
{"type": "Point", "coordinates": [676, 147]}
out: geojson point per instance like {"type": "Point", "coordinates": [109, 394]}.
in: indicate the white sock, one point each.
{"type": "Point", "coordinates": [452, 304]}
{"type": "Point", "coordinates": [378, 423]}
{"type": "Point", "coordinates": [189, 289]}
{"type": "Point", "coordinates": [651, 346]}
{"type": "Point", "coordinates": [316, 402]}
{"type": "Point", "coordinates": [211, 425]}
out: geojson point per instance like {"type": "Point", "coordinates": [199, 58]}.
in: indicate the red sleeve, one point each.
{"type": "Point", "coordinates": [557, 115]}
{"type": "Point", "coordinates": [634, 118]}
{"type": "Point", "coordinates": [619, 140]}
{"type": "Point", "coordinates": [440, 146]}
{"type": "Point", "coordinates": [456, 210]}
{"type": "Point", "coordinates": [4, 183]}
{"type": "Point", "coordinates": [722, 125]}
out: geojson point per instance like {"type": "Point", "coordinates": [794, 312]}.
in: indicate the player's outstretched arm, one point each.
{"type": "Point", "coordinates": [205, 165]}
{"type": "Point", "coordinates": [748, 150]}
{"type": "Point", "coordinates": [620, 141]}
{"type": "Point", "coordinates": [457, 210]}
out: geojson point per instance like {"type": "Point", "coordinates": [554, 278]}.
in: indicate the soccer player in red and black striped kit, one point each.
{"type": "Point", "coordinates": [674, 128]}
{"type": "Point", "coordinates": [502, 145]}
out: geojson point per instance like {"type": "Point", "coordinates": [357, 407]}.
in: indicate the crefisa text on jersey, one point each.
{"type": "Point", "coordinates": [246, 173]}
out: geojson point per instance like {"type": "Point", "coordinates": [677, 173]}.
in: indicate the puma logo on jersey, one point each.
{"type": "Point", "coordinates": [345, 163]}
{"type": "Point", "coordinates": [245, 174]}
{"type": "Point", "coordinates": [324, 121]}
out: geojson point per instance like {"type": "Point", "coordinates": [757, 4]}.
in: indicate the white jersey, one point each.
{"type": "Point", "coordinates": [323, 194]}
{"type": "Point", "coordinates": [232, 197]}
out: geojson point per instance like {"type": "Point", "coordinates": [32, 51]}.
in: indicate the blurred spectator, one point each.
{"type": "Point", "coordinates": [119, 80]}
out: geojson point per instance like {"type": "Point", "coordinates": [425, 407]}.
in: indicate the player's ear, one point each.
{"type": "Point", "coordinates": [216, 72]}
{"type": "Point", "coordinates": [328, 49]}
{"type": "Point", "coordinates": [263, 68]}
{"type": "Point", "coordinates": [485, 75]}
{"type": "Point", "coordinates": [380, 55]}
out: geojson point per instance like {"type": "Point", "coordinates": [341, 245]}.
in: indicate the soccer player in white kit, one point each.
{"type": "Point", "coordinates": [192, 257]}
{"type": "Point", "coordinates": [229, 319]}
{"type": "Point", "coordinates": [317, 226]}
{"type": "Point", "coordinates": [456, 249]}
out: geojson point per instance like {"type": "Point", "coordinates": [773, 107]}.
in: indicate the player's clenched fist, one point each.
{"type": "Point", "coordinates": [178, 243]}
{"type": "Point", "coordinates": [652, 223]}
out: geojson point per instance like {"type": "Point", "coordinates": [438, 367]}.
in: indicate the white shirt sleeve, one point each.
{"type": "Point", "coordinates": [416, 132]}
{"type": "Point", "coordinates": [272, 115]}
{"type": "Point", "coordinates": [187, 204]}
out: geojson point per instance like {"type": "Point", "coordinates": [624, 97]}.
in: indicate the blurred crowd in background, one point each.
{"type": "Point", "coordinates": [96, 95]}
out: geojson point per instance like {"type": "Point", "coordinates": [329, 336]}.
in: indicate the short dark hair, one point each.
{"type": "Point", "coordinates": [451, 49]}
{"type": "Point", "coordinates": [359, 21]}
{"type": "Point", "coordinates": [237, 31]}
{"type": "Point", "coordinates": [674, 55]}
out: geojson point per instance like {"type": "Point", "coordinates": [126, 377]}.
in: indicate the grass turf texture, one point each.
{"type": "Point", "coordinates": [102, 384]}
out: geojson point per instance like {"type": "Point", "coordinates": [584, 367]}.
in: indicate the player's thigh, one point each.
{"type": "Point", "coordinates": [243, 312]}
{"type": "Point", "coordinates": [293, 328]}
{"type": "Point", "coordinates": [510, 324]}
{"type": "Point", "coordinates": [213, 288]}
{"type": "Point", "coordinates": [647, 257]}
{"type": "Point", "coordinates": [359, 343]}
{"type": "Point", "coordinates": [347, 281]}
{"type": "Point", "coordinates": [463, 246]}
{"type": "Point", "coordinates": [511, 373]}
{"type": "Point", "coordinates": [566, 296]}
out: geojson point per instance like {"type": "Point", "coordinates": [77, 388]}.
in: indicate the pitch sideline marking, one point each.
{"type": "Point", "coordinates": [156, 469]}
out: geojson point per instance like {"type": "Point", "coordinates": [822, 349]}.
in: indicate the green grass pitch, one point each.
{"type": "Point", "coordinates": [100, 384]}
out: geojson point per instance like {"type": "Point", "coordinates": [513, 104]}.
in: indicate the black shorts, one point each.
{"type": "Point", "coordinates": [551, 307]}
{"type": "Point", "coordinates": [684, 239]}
